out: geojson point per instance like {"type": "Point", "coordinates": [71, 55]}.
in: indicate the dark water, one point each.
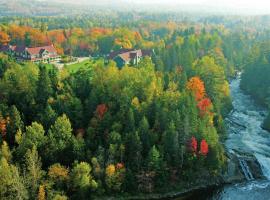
{"type": "Point", "coordinates": [250, 138]}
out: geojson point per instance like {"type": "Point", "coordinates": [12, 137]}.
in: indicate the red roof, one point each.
{"type": "Point", "coordinates": [38, 50]}
{"type": "Point", "coordinates": [30, 50]}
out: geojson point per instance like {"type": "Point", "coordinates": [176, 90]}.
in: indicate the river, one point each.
{"type": "Point", "coordinates": [245, 135]}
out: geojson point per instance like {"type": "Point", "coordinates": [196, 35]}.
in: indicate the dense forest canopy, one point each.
{"type": "Point", "coordinates": [103, 131]}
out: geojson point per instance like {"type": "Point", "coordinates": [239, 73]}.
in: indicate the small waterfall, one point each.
{"type": "Point", "coordinates": [265, 164]}
{"type": "Point", "coordinates": [245, 169]}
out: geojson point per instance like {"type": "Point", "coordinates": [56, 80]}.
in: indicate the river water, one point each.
{"type": "Point", "coordinates": [245, 135]}
{"type": "Point", "coordinates": [249, 138]}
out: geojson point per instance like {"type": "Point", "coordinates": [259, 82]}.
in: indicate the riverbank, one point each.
{"type": "Point", "coordinates": [239, 145]}
{"type": "Point", "coordinates": [181, 191]}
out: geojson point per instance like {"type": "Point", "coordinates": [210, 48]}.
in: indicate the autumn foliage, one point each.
{"type": "Point", "coordinates": [204, 106]}
{"type": "Point", "coordinates": [204, 148]}
{"type": "Point", "coordinates": [101, 110]}
{"type": "Point", "coordinates": [196, 85]}
{"type": "Point", "coordinates": [110, 170]}
{"type": "Point", "coordinates": [119, 165]}
{"type": "Point", "coordinates": [193, 145]}
{"type": "Point", "coordinates": [3, 126]}
{"type": "Point", "coordinates": [41, 193]}
{"type": "Point", "coordinates": [4, 38]}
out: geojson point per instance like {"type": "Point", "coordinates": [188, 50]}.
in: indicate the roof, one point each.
{"type": "Point", "coordinates": [38, 50]}
{"type": "Point", "coordinates": [5, 48]}
{"type": "Point", "coordinates": [131, 54]}
{"type": "Point", "coordinates": [30, 50]}
{"type": "Point", "coordinates": [113, 54]}
{"type": "Point", "coordinates": [19, 48]}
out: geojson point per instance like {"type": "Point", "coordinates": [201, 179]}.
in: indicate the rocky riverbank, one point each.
{"type": "Point", "coordinates": [233, 174]}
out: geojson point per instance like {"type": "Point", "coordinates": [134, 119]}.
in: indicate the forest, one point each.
{"type": "Point", "coordinates": [256, 79]}
{"type": "Point", "coordinates": [104, 131]}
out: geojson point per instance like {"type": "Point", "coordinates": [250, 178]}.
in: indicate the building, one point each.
{"type": "Point", "coordinates": [33, 54]}
{"type": "Point", "coordinates": [124, 57]}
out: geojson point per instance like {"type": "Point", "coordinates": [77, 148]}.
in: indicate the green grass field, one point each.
{"type": "Point", "coordinates": [75, 67]}
{"type": "Point", "coordinates": [49, 66]}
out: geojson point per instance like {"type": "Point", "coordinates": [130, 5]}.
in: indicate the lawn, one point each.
{"type": "Point", "coordinates": [49, 66]}
{"type": "Point", "coordinates": [75, 67]}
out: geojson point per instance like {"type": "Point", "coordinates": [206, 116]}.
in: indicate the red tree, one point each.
{"type": "Point", "coordinates": [101, 110]}
{"type": "Point", "coordinates": [204, 105]}
{"type": "Point", "coordinates": [193, 145]}
{"type": "Point", "coordinates": [204, 148]}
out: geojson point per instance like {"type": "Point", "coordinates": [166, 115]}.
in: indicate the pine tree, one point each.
{"type": "Point", "coordinates": [14, 125]}
{"type": "Point", "coordinates": [154, 159]}
{"type": "Point", "coordinates": [171, 145]}
{"type": "Point", "coordinates": [5, 152]}
{"type": "Point", "coordinates": [44, 87]}
{"type": "Point", "coordinates": [34, 173]}
{"type": "Point", "coordinates": [130, 122]}
{"type": "Point", "coordinates": [145, 137]}
{"type": "Point", "coordinates": [133, 157]}
{"type": "Point", "coordinates": [11, 183]}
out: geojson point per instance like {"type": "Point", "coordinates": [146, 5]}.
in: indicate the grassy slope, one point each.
{"type": "Point", "coordinates": [75, 67]}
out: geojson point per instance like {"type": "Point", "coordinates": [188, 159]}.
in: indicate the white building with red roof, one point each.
{"type": "Point", "coordinates": [33, 54]}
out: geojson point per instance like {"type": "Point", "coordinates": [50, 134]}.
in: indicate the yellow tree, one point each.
{"type": "Point", "coordinates": [4, 38]}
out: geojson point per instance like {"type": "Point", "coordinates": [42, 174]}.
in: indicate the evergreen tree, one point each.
{"type": "Point", "coordinates": [144, 136]}
{"type": "Point", "coordinates": [133, 153]}
{"type": "Point", "coordinates": [130, 122]}
{"type": "Point", "coordinates": [11, 183]}
{"type": "Point", "coordinates": [14, 125]}
{"type": "Point", "coordinates": [44, 87]}
{"type": "Point", "coordinates": [171, 145]}
{"type": "Point", "coordinates": [34, 173]}
{"type": "Point", "coordinates": [154, 159]}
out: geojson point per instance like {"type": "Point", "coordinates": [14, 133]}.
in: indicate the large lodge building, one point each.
{"type": "Point", "coordinates": [33, 54]}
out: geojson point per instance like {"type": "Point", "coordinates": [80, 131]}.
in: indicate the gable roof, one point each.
{"type": "Point", "coordinates": [113, 54]}
{"type": "Point", "coordinates": [38, 50]}
{"type": "Point", "coordinates": [131, 54]}
{"type": "Point", "coordinates": [19, 48]}
{"type": "Point", "coordinates": [4, 48]}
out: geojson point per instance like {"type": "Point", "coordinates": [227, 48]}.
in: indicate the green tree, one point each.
{"type": "Point", "coordinates": [11, 183]}
{"type": "Point", "coordinates": [5, 152]}
{"type": "Point", "coordinates": [33, 136]}
{"type": "Point", "coordinates": [133, 153]}
{"type": "Point", "coordinates": [171, 145]}
{"type": "Point", "coordinates": [15, 124]}
{"type": "Point", "coordinates": [81, 180]}
{"type": "Point", "coordinates": [154, 159]}
{"type": "Point", "coordinates": [144, 136]}
{"type": "Point", "coordinates": [44, 87]}
{"type": "Point", "coordinates": [59, 139]}
{"type": "Point", "coordinates": [33, 172]}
